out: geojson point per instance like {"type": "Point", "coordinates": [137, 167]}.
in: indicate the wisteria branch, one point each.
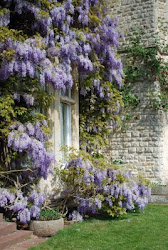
{"type": "Point", "coordinates": [14, 171]}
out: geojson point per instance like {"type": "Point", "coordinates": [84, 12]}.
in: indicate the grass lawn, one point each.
{"type": "Point", "coordinates": [146, 230]}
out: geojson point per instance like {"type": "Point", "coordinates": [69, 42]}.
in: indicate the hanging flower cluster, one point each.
{"type": "Point", "coordinates": [60, 36]}
{"type": "Point", "coordinates": [31, 138]}
{"type": "Point", "coordinates": [21, 207]}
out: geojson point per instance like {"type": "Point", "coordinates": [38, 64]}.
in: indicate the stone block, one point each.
{"type": "Point", "coordinates": [153, 144]}
{"type": "Point", "coordinates": [159, 199]}
{"type": "Point", "coordinates": [140, 150]}
{"type": "Point", "coordinates": [131, 150]}
{"type": "Point", "coordinates": [148, 150]}
{"type": "Point", "coordinates": [135, 144]}
{"type": "Point", "coordinates": [143, 144]}
{"type": "Point", "coordinates": [154, 155]}
{"type": "Point", "coordinates": [135, 134]}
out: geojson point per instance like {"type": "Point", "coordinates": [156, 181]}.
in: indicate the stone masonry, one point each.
{"type": "Point", "coordinates": [143, 144]}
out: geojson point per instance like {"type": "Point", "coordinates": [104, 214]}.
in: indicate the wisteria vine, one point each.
{"type": "Point", "coordinates": [64, 35]}
{"type": "Point", "coordinates": [41, 42]}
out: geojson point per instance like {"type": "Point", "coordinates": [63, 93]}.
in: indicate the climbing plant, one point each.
{"type": "Point", "coordinates": [41, 42]}
{"type": "Point", "coordinates": [145, 63]}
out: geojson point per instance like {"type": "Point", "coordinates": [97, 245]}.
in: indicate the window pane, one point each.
{"type": "Point", "coordinates": [66, 93]}
{"type": "Point", "coordinates": [65, 120]}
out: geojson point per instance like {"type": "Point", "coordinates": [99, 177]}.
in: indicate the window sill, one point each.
{"type": "Point", "coordinates": [67, 100]}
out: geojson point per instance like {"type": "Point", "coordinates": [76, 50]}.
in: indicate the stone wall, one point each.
{"type": "Point", "coordinates": [151, 15]}
{"type": "Point", "coordinates": [143, 145]}
{"type": "Point", "coordinates": [134, 14]}
{"type": "Point", "coordinates": [163, 25]}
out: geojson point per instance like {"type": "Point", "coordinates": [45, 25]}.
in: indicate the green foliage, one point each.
{"type": "Point", "coordinates": [6, 107]}
{"type": "Point", "coordinates": [49, 214]}
{"type": "Point", "coordinates": [12, 112]}
{"type": "Point", "coordinates": [145, 63]}
{"type": "Point", "coordinates": [7, 54]}
{"type": "Point", "coordinates": [129, 99]}
{"type": "Point", "coordinates": [47, 4]}
{"type": "Point", "coordinates": [3, 11]}
{"type": "Point", "coordinates": [94, 136]}
{"type": "Point", "coordinates": [98, 160]}
{"type": "Point", "coordinates": [6, 33]}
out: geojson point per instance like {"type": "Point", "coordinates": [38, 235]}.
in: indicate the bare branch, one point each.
{"type": "Point", "coordinates": [13, 171]}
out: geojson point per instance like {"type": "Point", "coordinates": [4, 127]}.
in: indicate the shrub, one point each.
{"type": "Point", "coordinates": [96, 186]}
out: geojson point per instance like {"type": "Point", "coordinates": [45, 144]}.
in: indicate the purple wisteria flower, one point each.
{"type": "Point", "coordinates": [19, 204]}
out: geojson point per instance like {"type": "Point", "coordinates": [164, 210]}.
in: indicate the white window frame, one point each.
{"type": "Point", "coordinates": [66, 103]}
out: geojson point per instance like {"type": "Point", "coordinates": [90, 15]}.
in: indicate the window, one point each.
{"type": "Point", "coordinates": [65, 124]}
{"type": "Point", "coordinates": [66, 118]}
